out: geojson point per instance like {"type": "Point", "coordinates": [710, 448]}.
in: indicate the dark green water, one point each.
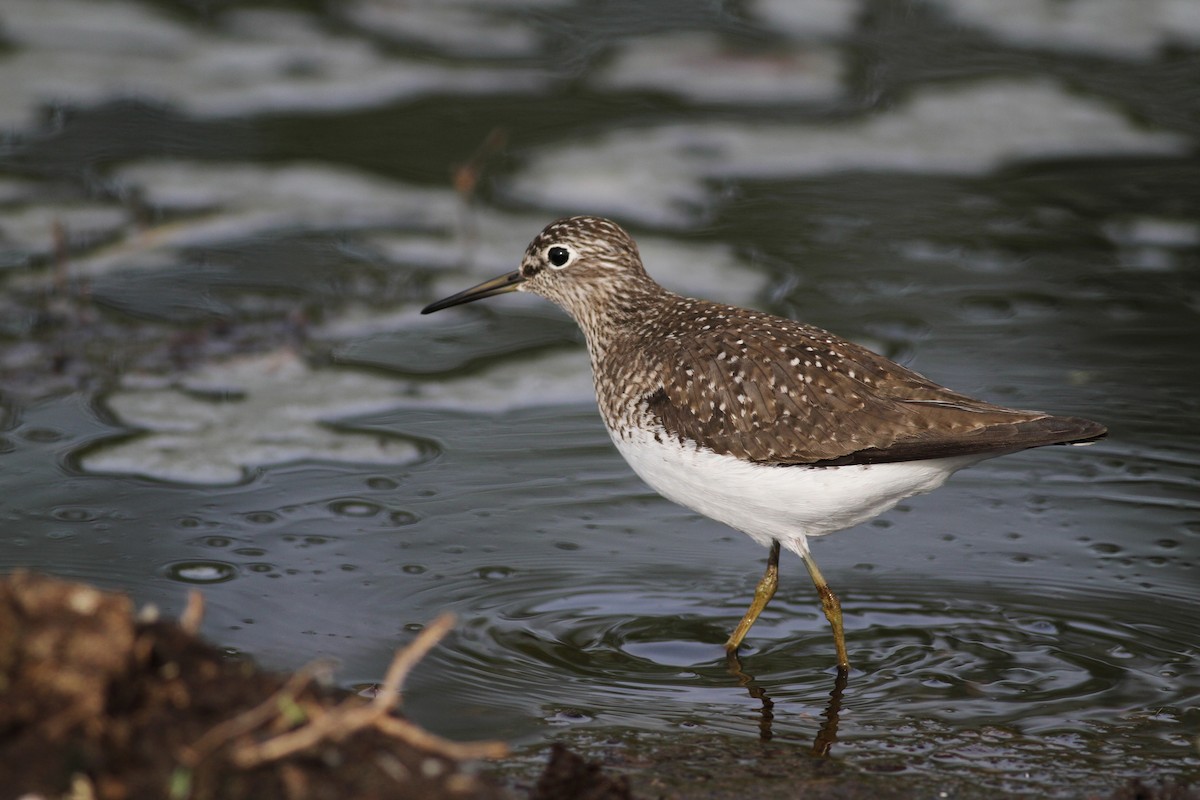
{"type": "Point", "coordinates": [214, 374]}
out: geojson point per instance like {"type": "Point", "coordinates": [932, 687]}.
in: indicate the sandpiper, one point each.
{"type": "Point", "coordinates": [776, 428]}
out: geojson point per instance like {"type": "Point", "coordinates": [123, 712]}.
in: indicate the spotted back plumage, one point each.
{"type": "Point", "coordinates": [752, 385]}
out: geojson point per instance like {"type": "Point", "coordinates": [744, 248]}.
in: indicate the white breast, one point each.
{"type": "Point", "coordinates": [788, 503]}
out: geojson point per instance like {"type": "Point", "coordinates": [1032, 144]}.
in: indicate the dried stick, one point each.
{"type": "Point", "coordinates": [350, 717]}
{"type": "Point", "coordinates": [388, 696]}
{"type": "Point", "coordinates": [419, 737]}
{"type": "Point", "coordinates": [249, 720]}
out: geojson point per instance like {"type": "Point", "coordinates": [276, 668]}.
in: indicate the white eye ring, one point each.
{"type": "Point", "coordinates": [560, 256]}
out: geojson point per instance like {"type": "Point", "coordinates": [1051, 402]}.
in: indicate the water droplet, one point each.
{"type": "Point", "coordinates": [261, 517]}
{"type": "Point", "coordinates": [354, 508]}
{"type": "Point", "coordinates": [568, 716]}
{"type": "Point", "coordinates": [202, 572]}
{"type": "Point", "coordinates": [494, 573]}
{"type": "Point", "coordinates": [74, 514]}
{"type": "Point", "coordinates": [381, 484]}
{"type": "Point", "coordinates": [414, 569]}
{"type": "Point", "coordinates": [402, 517]}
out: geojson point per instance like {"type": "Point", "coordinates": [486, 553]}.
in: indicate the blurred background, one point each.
{"type": "Point", "coordinates": [218, 222]}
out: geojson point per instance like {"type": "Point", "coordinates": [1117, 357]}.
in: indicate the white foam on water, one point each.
{"type": "Point", "coordinates": [228, 202]}
{"type": "Point", "coordinates": [1154, 232]}
{"type": "Point", "coordinates": [1116, 27]}
{"type": "Point", "coordinates": [217, 424]}
{"type": "Point", "coordinates": [661, 173]}
{"type": "Point", "coordinates": [476, 30]}
{"type": "Point", "coordinates": [548, 379]}
{"type": "Point", "coordinates": [700, 67]}
{"type": "Point", "coordinates": [251, 62]}
{"type": "Point", "coordinates": [1156, 244]}
{"type": "Point", "coordinates": [807, 18]}
{"type": "Point", "coordinates": [33, 229]}
{"type": "Point", "coordinates": [479, 246]}
{"type": "Point", "coordinates": [311, 192]}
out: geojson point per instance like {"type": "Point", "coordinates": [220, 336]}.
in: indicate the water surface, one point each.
{"type": "Point", "coordinates": [218, 228]}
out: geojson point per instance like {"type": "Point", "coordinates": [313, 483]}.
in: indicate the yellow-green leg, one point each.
{"type": "Point", "coordinates": [762, 595]}
{"type": "Point", "coordinates": [833, 612]}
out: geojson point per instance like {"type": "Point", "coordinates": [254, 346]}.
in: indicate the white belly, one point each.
{"type": "Point", "coordinates": [784, 503]}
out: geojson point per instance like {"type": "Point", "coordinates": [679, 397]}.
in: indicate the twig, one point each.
{"type": "Point", "coordinates": [350, 717]}
{"type": "Point", "coordinates": [388, 695]}
{"type": "Point", "coordinates": [249, 720]}
{"type": "Point", "coordinates": [336, 725]}
{"type": "Point", "coordinates": [466, 175]}
{"type": "Point", "coordinates": [419, 737]}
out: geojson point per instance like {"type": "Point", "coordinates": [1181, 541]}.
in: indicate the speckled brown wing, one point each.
{"type": "Point", "coordinates": [788, 393]}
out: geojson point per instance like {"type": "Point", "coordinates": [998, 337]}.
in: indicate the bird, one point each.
{"type": "Point", "coordinates": [774, 427]}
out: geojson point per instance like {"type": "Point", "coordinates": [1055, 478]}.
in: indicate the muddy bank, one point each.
{"type": "Point", "coordinates": [98, 704]}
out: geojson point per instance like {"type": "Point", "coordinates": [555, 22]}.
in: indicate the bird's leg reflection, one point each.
{"type": "Point", "coordinates": [767, 714]}
{"type": "Point", "coordinates": [826, 735]}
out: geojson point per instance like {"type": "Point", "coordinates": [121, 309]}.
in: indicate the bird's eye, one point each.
{"type": "Point", "coordinates": [558, 256]}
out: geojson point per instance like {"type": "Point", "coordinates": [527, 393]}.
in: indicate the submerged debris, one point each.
{"type": "Point", "coordinates": [571, 775]}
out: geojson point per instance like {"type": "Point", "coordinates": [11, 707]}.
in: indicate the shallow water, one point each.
{"type": "Point", "coordinates": [215, 376]}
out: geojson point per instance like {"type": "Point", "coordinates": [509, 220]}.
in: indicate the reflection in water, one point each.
{"type": "Point", "coordinates": [826, 735]}
{"type": "Point", "coordinates": [767, 713]}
